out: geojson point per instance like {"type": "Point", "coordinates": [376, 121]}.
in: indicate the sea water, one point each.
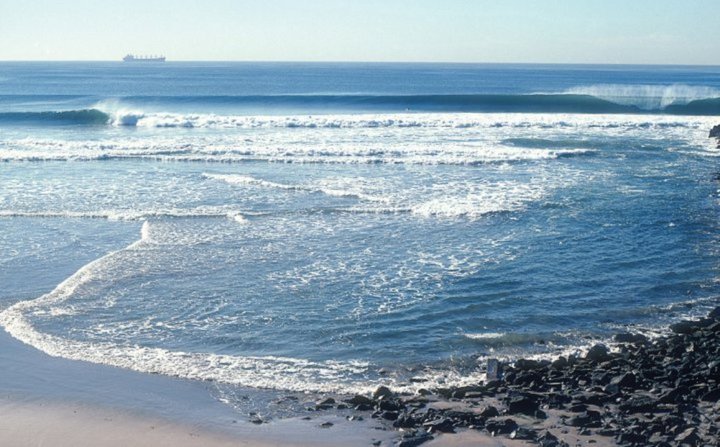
{"type": "Point", "coordinates": [332, 227]}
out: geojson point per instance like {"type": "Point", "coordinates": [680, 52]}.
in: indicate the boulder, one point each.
{"type": "Point", "coordinates": [382, 392]}
{"type": "Point", "coordinates": [630, 338]}
{"type": "Point", "coordinates": [715, 132]}
{"type": "Point", "coordinates": [598, 353]}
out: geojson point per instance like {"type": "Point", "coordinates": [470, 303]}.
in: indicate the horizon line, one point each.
{"type": "Point", "coordinates": [290, 61]}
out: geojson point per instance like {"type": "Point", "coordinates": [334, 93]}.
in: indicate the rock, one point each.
{"type": "Point", "coordinates": [444, 425]}
{"type": "Point", "coordinates": [522, 404]}
{"type": "Point", "coordinates": [489, 412]}
{"type": "Point", "coordinates": [630, 338]}
{"type": "Point", "coordinates": [688, 436]}
{"type": "Point", "coordinates": [715, 313]}
{"type": "Point", "coordinates": [632, 438]}
{"type": "Point", "coordinates": [325, 404]}
{"type": "Point", "coordinates": [525, 365]}
{"type": "Point", "coordinates": [494, 369]}
{"type": "Point", "coordinates": [715, 132]}
{"type": "Point", "coordinates": [711, 396]}
{"type": "Point", "coordinates": [405, 420]}
{"type": "Point", "coordinates": [588, 419]}
{"type": "Point", "coordinates": [626, 380]}
{"type": "Point", "coordinates": [360, 400]}
{"type": "Point", "coordinates": [523, 433]}
{"type": "Point", "coordinates": [560, 363]}
{"type": "Point", "coordinates": [639, 404]}
{"type": "Point", "coordinates": [684, 327]}
{"type": "Point", "coordinates": [326, 425]}
{"type": "Point", "coordinates": [598, 353]}
{"type": "Point", "coordinates": [389, 405]}
{"type": "Point", "coordinates": [389, 415]}
{"type": "Point", "coordinates": [414, 440]}
{"type": "Point", "coordinates": [382, 392]}
{"type": "Point", "coordinates": [547, 439]}
{"type": "Point", "coordinates": [496, 427]}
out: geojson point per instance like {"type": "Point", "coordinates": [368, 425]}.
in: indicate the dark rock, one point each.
{"type": "Point", "coordinates": [715, 132]}
{"type": "Point", "coordinates": [405, 420]}
{"type": "Point", "coordinates": [684, 327]}
{"type": "Point", "coordinates": [489, 412]}
{"type": "Point", "coordinates": [630, 338]}
{"type": "Point", "coordinates": [632, 438]}
{"type": "Point", "coordinates": [444, 425]}
{"type": "Point", "coordinates": [715, 313]}
{"type": "Point", "coordinates": [325, 404]}
{"type": "Point", "coordinates": [496, 427]}
{"type": "Point", "coordinates": [711, 396]}
{"type": "Point", "coordinates": [389, 415]}
{"type": "Point", "coordinates": [560, 363]}
{"type": "Point", "coordinates": [326, 425]}
{"type": "Point", "coordinates": [547, 439]}
{"type": "Point", "coordinates": [598, 353]}
{"type": "Point", "coordinates": [523, 433]}
{"type": "Point", "coordinates": [587, 419]}
{"type": "Point", "coordinates": [639, 404]}
{"type": "Point", "coordinates": [389, 405]}
{"type": "Point", "coordinates": [525, 365]}
{"type": "Point", "coordinates": [625, 380]}
{"type": "Point", "coordinates": [414, 440]}
{"type": "Point", "coordinates": [688, 436]}
{"type": "Point", "coordinates": [382, 392]}
{"type": "Point", "coordinates": [522, 404]}
{"type": "Point", "coordinates": [674, 395]}
{"type": "Point", "coordinates": [363, 407]}
{"type": "Point", "coordinates": [359, 400]}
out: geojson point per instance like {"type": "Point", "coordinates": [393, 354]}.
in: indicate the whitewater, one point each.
{"type": "Point", "coordinates": [333, 227]}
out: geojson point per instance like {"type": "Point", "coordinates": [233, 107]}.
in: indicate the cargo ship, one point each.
{"type": "Point", "coordinates": [133, 58]}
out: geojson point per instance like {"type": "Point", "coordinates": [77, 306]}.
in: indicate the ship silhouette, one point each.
{"type": "Point", "coordinates": [134, 58]}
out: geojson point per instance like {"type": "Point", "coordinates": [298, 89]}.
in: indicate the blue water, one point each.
{"type": "Point", "coordinates": [317, 227]}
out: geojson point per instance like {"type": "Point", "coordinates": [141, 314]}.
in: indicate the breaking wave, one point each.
{"type": "Point", "coordinates": [596, 99]}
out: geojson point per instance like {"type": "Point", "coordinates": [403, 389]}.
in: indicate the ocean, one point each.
{"type": "Point", "coordinates": [330, 227]}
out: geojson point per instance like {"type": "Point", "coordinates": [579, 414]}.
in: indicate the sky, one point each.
{"type": "Point", "coordinates": [529, 31]}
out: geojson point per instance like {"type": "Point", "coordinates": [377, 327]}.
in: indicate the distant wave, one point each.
{"type": "Point", "coordinates": [676, 99]}
{"type": "Point", "coordinates": [586, 100]}
{"type": "Point", "coordinates": [82, 116]}
{"type": "Point", "coordinates": [655, 97]}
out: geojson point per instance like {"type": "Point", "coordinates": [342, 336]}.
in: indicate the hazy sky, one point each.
{"type": "Point", "coordinates": [575, 31]}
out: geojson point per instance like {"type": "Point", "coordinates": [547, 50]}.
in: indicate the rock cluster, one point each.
{"type": "Point", "coordinates": [663, 392]}
{"type": "Point", "coordinates": [715, 133]}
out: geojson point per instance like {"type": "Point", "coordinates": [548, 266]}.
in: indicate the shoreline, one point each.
{"type": "Point", "coordinates": [660, 391]}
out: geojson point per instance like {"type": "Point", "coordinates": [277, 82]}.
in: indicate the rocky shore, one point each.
{"type": "Point", "coordinates": [663, 392]}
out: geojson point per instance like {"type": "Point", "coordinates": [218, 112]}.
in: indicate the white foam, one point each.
{"type": "Point", "coordinates": [130, 215]}
{"type": "Point", "coordinates": [334, 187]}
{"type": "Point", "coordinates": [236, 179]}
{"type": "Point", "coordinates": [484, 335]}
{"type": "Point", "coordinates": [456, 139]}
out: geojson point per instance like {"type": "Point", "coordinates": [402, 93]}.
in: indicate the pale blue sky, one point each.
{"type": "Point", "coordinates": [555, 31]}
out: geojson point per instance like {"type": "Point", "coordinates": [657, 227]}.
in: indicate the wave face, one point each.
{"type": "Point", "coordinates": [65, 117]}
{"type": "Point", "coordinates": [604, 100]}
